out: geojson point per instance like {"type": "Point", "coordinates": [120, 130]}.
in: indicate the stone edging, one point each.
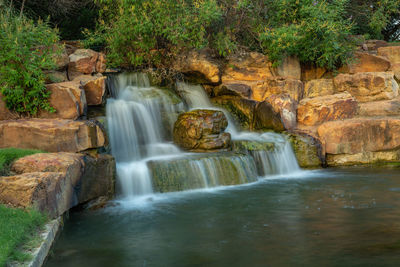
{"type": "Point", "coordinates": [39, 255]}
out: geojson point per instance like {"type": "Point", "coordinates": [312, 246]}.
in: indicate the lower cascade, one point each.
{"type": "Point", "coordinates": [140, 121]}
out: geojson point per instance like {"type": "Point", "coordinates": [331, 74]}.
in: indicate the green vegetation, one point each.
{"type": "Point", "coordinates": [8, 155]}
{"type": "Point", "coordinates": [27, 48]}
{"type": "Point", "coordinates": [17, 227]}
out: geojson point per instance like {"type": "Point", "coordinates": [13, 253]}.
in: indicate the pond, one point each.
{"type": "Point", "coordinates": [331, 217]}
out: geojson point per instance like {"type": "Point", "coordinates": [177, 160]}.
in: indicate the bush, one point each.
{"type": "Point", "coordinates": [26, 49]}
{"type": "Point", "coordinates": [138, 32]}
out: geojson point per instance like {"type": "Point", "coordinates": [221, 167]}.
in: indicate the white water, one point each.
{"type": "Point", "coordinates": [138, 116]}
{"type": "Point", "coordinates": [279, 161]}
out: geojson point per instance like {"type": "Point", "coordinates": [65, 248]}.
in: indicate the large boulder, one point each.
{"type": "Point", "coordinates": [51, 135]}
{"type": "Point", "coordinates": [289, 68]}
{"type": "Point", "coordinates": [201, 130]}
{"type": "Point", "coordinates": [368, 86]}
{"type": "Point", "coordinates": [234, 89]}
{"type": "Point", "coordinates": [312, 72]}
{"type": "Point", "coordinates": [56, 182]}
{"type": "Point", "coordinates": [94, 87]}
{"type": "Point", "coordinates": [365, 62]}
{"type": "Point", "coordinates": [313, 111]}
{"type": "Point", "coordinates": [360, 135]}
{"type": "Point", "coordinates": [286, 107]}
{"type": "Point", "coordinates": [61, 60]}
{"type": "Point", "coordinates": [392, 53]}
{"type": "Point", "coordinates": [199, 64]}
{"type": "Point", "coordinates": [101, 63]}
{"type": "Point", "coordinates": [277, 86]}
{"type": "Point", "coordinates": [380, 108]}
{"type": "Point", "coordinates": [83, 61]}
{"type": "Point", "coordinates": [318, 87]}
{"type": "Point", "coordinates": [308, 150]}
{"type": "Point", "coordinates": [68, 99]}
{"type": "Point", "coordinates": [266, 118]}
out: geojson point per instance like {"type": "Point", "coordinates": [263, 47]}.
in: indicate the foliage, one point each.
{"type": "Point", "coordinates": [377, 19]}
{"type": "Point", "coordinates": [314, 31]}
{"type": "Point", "coordinates": [8, 155]}
{"type": "Point", "coordinates": [17, 227]}
{"type": "Point", "coordinates": [26, 49]}
{"type": "Point", "coordinates": [138, 32]}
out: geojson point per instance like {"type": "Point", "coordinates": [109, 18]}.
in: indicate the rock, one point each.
{"type": "Point", "coordinates": [391, 53]}
{"type": "Point", "coordinates": [95, 88]}
{"type": "Point", "coordinates": [265, 118]}
{"type": "Point", "coordinates": [312, 72]}
{"type": "Point", "coordinates": [56, 182]}
{"type": "Point", "coordinates": [51, 135]}
{"type": "Point", "coordinates": [360, 135]}
{"type": "Point", "coordinates": [289, 68]}
{"type": "Point", "coordinates": [319, 87]}
{"type": "Point", "coordinates": [368, 86]}
{"type": "Point", "coordinates": [313, 111]}
{"type": "Point", "coordinates": [62, 60]}
{"type": "Point", "coordinates": [380, 108]}
{"type": "Point", "coordinates": [241, 109]}
{"type": "Point", "coordinates": [5, 113]}
{"type": "Point", "coordinates": [82, 61]}
{"type": "Point", "coordinates": [308, 150]}
{"type": "Point", "coordinates": [277, 86]}
{"type": "Point", "coordinates": [365, 62]}
{"type": "Point", "coordinates": [69, 100]}
{"type": "Point", "coordinates": [201, 130]}
{"type": "Point", "coordinates": [247, 67]}
{"type": "Point", "coordinates": [101, 63]}
{"type": "Point", "coordinates": [374, 45]}
{"type": "Point", "coordinates": [286, 107]}
{"type": "Point", "coordinates": [364, 158]}
{"type": "Point", "coordinates": [53, 76]}
{"type": "Point", "coordinates": [235, 89]}
{"type": "Point", "coordinates": [246, 146]}
{"type": "Point", "coordinates": [199, 64]}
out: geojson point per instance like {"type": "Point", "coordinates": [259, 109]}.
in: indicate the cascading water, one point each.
{"type": "Point", "coordinates": [140, 118]}
{"type": "Point", "coordinates": [281, 160]}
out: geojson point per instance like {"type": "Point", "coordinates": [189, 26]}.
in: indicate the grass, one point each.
{"type": "Point", "coordinates": [8, 155]}
{"type": "Point", "coordinates": [17, 227]}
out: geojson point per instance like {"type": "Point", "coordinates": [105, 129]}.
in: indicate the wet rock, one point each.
{"type": "Point", "coordinates": [368, 86]}
{"type": "Point", "coordinates": [266, 118]}
{"type": "Point", "coordinates": [94, 87]}
{"type": "Point", "coordinates": [308, 150]}
{"type": "Point", "coordinates": [246, 146]}
{"type": "Point", "coordinates": [53, 135]}
{"type": "Point", "coordinates": [313, 111]}
{"type": "Point", "coordinates": [69, 100]}
{"type": "Point", "coordinates": [201, 130]}
{"type": "Point", "coordinates": [319, 87]}
{"type": "Point", "coordinates": [199, 64]}
{"type": "Point", "coordinates": [286, 107]}
{"type": "Point", "coordinates": [234, 89]}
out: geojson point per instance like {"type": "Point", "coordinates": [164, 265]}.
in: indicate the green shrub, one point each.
{"type": "Point", "coordinates": [26, 49]}
{"type": "Point", "coordinates": [8, 155]}
{"type": "Point", "coordinates": [18, 227]}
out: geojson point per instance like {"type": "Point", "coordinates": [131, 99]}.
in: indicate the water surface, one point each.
{"type": "Point", "coordinates": [333, 217]}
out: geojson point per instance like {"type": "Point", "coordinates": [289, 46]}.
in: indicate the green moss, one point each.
{"type": "Point", "coordinates": [244, 121]}
{"type": "Point", "coordinates": [19, 229]}
{"type": "Point", "coordinates": [244, 146]}
{"type": "Point", "coordinates": [8, 155]}
{"type": "Point", "coordinates": [306, 151]}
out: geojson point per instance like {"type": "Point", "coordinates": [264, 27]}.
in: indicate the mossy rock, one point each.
{"type": "Point", "coordinates": [245, 146]}
{"type": "Point", "coordinates": [307, 150]}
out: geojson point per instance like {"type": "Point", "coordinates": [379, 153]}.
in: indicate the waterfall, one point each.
{"type": "Point", "coordinates": [279, 161]}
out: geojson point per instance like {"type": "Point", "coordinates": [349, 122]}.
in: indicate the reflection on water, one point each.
{"type": "Point", "coordinates": [344, 217]}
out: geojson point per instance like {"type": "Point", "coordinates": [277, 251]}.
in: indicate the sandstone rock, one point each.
{"type": "Point", "coordinates": [360, 135]}
{"type": "Point", "coordinates": [62, 60]}
{"type": "Point", "coordinates": [368, 86]}
{"type": "Point", "coordinates": [365, 62]}
{"type": "Point", "coordinates": [392, 53]}
{"type": "Point", "coordinates": [319, 87]}
{"type": "Point", "coordinates": [374, 45]}
{"type": "Point", "coordinates": [235, 89]}
{"type": "Point", "coordinates": [241, 109]}
{"type": "Point", "coordinates": [248, 67]}
{"type": "Point", "coordinates": [265, 118]}
{"type": "Point", "coordinates": [200, 64]}
{"type": "Point", "coordinates": [68, 98]}
{"type": "Point", "coordinates": [286, 107]}
{"type": "Point", "coordinates": [307, 149]}
{"type": "Point", "coordinates": [82, 61]}
{"type": "Point", "coordinates": [311, 72]}
{"type": "Point", "coordinates": [51, 135]}
{"type": "Point", "coordinates": [313, 111]}
{"type": "Point", "coordinates": [101, 63]}
{"type": "Point", "coordinates": [95, 88]}
{"type": "Point", "coordinates": [277, 86]}
{"type": "Point", "coordinates": [363, 158]}
{"type": "Point", "coordinates": [289, 68]}
{"type": "Point", "coordinates": [55, 76]}
{"type": "Point", "coordinates": [201, 129]}
{"type": "Point", "coordinates": [380, 108]}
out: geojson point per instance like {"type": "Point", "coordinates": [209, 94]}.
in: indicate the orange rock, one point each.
{"type": "Point", "coordinates": [392, 53]}
{"type": "Point", "coordinates": [51, 135]}
{"type": "Point", "coordinates": [286, 107]}
{"type": "Point", "coordinates": [368, 86]}
{"type": "Point", "coordinates": [95, 88]}
{"type": "Point", "coordinates": [289, 68]}
{"type": "Point", "coordinates": [380, 108]}
{"type": "Point", "coordinates": [69, 100]}
{"type": "Point", "coordinates": [276, 86]}
{"type": "Point", "coordinates": [311, 72]}
{"type": "Point", "coordinates": [365, 62]}
{"type": "Point", "coordinates": [319, 87]}
{"type": "Point", "coordinates": [101, 63]}
{"type": "Point", "coordinates": [82, 61]}
{"type": "Point", "coordinates": [360, 135]}
{"type": "Point", "coordinates": [313, 111]}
